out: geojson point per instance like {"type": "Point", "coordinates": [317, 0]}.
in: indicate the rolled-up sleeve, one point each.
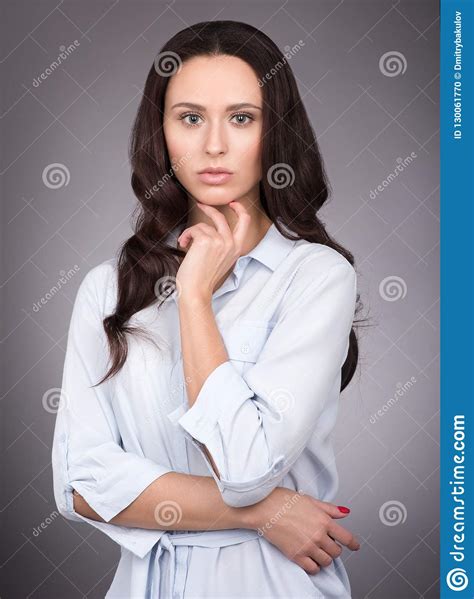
{"type": "Point", "coordinates": [87, 454]}
{"type": "Point", "coordinates": [256, 425]}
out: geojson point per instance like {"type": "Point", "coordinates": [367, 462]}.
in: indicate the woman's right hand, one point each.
{"type": "Point", "coordinates": [303, 528]}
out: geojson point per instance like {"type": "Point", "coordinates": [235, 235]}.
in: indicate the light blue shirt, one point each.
{"type": "Point", "coordinates": [265, 415]}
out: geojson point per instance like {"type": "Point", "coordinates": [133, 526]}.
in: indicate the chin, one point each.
{"type": "Point", "coordinates": [213, 197]}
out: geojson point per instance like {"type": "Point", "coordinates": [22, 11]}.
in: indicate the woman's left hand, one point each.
{"type": "Point", "coordinates": [213, 251]}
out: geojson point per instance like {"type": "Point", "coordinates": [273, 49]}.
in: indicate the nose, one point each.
{"type": "Point", "coordinates": [215, 143]}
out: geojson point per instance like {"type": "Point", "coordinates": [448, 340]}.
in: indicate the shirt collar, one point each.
{"type": "Point", "coordinates": [271, 250]}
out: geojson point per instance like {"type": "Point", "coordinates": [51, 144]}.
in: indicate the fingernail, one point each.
{"type": "Point", "coordinates": [344, 510]}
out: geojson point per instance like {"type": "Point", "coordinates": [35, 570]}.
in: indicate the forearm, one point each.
{"type": "Point", "coordinates": [202, 346]}
{"type": "Point", "coordinates": [177, 501]}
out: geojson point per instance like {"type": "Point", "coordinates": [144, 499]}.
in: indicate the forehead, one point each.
{"type": "Point", "coordinates": [215, 82]}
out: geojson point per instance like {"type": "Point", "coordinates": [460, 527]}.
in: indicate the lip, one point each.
{"type": "Point", "coordinates": [215, 169]}
{"type": "Point", "coordinates": [214, 178]}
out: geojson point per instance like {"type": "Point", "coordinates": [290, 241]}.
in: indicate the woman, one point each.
{"type": "Point", "coordinates": [202, 447]}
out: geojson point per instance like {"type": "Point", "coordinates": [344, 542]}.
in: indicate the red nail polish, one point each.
{"type": "Point", "coordinates": [344, 510]}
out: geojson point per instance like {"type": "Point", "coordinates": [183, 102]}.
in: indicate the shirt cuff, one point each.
{"type": "Point", "coordinates": [212, 401]}
{"type": "Point", "coordinates": [122, 483]}
{"type": "Point", "coordinates": [137, 540]}
{"type": "Point", "coordinates": [109, 480]}
{"type": "Point", "coordinates": [209, 421]}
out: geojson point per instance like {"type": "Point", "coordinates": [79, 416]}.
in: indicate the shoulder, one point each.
{"type": "Point", "coordinates": [101, 273]}
{"type": "Point", "coordinates": [99, 285]}
{"type": "Point", "coordinates": [319, 262]}
{"type": "Point", "coordinates": [318, 276]}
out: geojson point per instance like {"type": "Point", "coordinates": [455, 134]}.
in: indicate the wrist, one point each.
{"type": "Point", "coordinates": [247, 517]}
{"type": "Point", "coordinates": [194, 298]}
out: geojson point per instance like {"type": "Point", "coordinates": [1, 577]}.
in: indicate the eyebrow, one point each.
{"type": "Point", "coordinates": [203, 108]}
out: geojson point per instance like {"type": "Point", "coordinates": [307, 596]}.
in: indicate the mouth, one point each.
{"type": "Point", "coordinates": [215, 176]}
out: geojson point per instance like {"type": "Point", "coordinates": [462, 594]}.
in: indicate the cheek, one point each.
{"type": "Point", "coordinates": [181, 152]}
{"type": "Point", "coordinates": [178, 144]}
{"type": "Point", "coordinates": [251, 156]}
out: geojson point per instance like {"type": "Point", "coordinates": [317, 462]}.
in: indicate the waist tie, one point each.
{"type": "Point", "coordinates": [178, 559]}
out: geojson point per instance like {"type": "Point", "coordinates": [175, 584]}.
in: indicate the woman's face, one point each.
{"type": "Point", "coordinates": [204, 128]}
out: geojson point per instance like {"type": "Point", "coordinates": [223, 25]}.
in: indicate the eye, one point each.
{"type": "Point", "coordinates": [245, 115]}
{"type": "Point", "coordinates": [190, 114]}
{"type": "Point", "coordinates": [194, 116]}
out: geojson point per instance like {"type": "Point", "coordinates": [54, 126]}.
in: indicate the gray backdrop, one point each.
{"type": "Point", "coordinates": [369, 76]}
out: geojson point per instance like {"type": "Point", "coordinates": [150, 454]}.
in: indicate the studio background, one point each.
{"type": "Point", "coordinates": [368, 73]}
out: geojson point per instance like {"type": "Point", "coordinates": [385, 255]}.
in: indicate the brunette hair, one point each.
{"type": "Point", "coordinates": [288, 139]}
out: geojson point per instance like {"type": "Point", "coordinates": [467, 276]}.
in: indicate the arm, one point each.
{"type": "Point", "coordinates": [87, 454]}
{"type": "Point", "coordinates": [252, 440]}
{"type": "Point", "coordinates": [177, 501]}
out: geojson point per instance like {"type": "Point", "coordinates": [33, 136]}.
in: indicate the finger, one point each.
{"type": "Point", "coordinates": [331, 509]}
{"type": "Point", "coordinates": [338, 533]}
{"type": "Point", "coordinates": [195, 232]}
{"type": "Point", "coordinates": [218, 219]}
{"type": "Point", "coordinates": [331, 547]}
{"type": "Point", "coordinates": [207, 229]}
{"type": "Point", "coordinates": [309, 565]}
{"type": "Point", "coordinates": [320, 556]}
{"type": "Point", "coordinates": [240, 231]}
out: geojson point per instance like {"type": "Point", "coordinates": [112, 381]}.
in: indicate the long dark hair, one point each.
{"type": "Point", "coordinates": [288, 139]}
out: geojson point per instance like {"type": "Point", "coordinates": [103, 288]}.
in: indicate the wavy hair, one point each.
{"type": "Point", "coordinates": [287, 137]}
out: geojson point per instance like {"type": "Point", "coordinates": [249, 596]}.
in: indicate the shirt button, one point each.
{"type": "Point", "coordinates": [245, 348]}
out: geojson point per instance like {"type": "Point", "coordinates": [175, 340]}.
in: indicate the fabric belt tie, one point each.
{"type": "Point", "coordinates": [177, 545]}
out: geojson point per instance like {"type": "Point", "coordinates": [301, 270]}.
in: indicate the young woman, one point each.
{"type": "Point", "coordinates": [204, 366]}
